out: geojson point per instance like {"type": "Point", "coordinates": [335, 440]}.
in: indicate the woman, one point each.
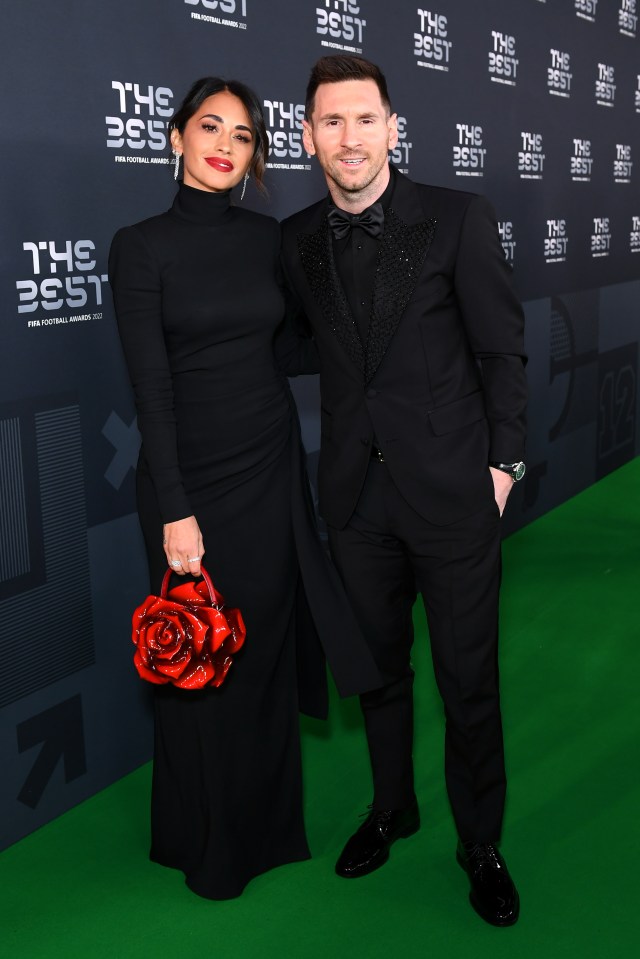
{"type": "Point", "coordinates": [198, 303]}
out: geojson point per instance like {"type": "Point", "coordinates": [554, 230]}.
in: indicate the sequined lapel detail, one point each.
{"type": "Point", "coordinates": [403, 250]}
{"type": "Point", "coordinates": [316, 256]}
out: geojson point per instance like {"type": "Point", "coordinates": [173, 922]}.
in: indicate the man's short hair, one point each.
{"type": "Point", "coordinates": [337, 69]}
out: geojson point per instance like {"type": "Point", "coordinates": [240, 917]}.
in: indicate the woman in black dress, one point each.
{"type": "Point", "coordinates": [199, 311]}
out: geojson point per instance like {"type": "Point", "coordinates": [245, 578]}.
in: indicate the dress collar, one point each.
{"type": "Point", "coordinates": [201, 206]}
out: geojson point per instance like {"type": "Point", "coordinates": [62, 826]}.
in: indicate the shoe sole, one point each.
{"type": "Point", "coordinates": [366, 870]}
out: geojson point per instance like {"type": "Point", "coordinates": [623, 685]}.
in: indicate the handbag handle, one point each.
{"type": "Point", "coordinates": [214, 599]}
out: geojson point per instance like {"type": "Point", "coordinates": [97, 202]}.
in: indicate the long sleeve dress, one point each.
{"type": "Point", "coordinates": [198, 303]}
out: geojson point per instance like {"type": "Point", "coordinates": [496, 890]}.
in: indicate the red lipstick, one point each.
{"type": "Point", "coordinates": [219, 163]}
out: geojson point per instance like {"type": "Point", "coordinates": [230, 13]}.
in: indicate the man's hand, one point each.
{"type": "Point", "coordinates": [183, 546]}
{"type": "Point", "coordinates": [502, 484]}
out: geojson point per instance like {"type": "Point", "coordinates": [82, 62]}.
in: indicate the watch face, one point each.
{"type": "Point", "coordinates": [519, 470]}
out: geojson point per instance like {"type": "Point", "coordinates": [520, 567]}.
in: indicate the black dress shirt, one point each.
{"type": "Point", "coordinates": [355, 256]}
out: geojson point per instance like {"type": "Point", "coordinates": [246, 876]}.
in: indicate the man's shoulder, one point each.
{"type": "Point", "coordinates": [441, 196]}
{"type": "Point", "coordinates": [439, 200]}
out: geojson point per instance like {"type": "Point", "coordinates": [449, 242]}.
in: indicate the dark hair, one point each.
{"type": "Point", "coordinates": [336, 69]}
{"type": "Point", "coordinates": [207, 87]}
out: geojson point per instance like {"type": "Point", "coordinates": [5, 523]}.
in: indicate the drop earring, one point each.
{"type": "Point", "coordinates": [176, 168]}
{"type": "Point", "coordinates": [244, 185]}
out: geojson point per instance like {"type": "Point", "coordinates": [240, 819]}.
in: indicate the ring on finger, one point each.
{"type": "Point", "coordinates": [193, 559]}
{"type": "Point", "coordinates": [175, 563]}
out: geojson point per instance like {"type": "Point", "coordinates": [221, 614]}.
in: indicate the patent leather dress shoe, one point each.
{"type": "Point", "coordinates": [493, 894]}
{"type": "Point", "coordinates": [368, 848]}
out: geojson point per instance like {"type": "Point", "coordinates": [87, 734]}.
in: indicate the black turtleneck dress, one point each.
{"type": "Point", "coordinates": [197, 303]}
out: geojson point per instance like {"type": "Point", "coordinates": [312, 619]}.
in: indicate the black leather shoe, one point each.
{"type": "Point", "coordinates": [493, 894]}
{"type": "Point", "coordinates": [368, 848]}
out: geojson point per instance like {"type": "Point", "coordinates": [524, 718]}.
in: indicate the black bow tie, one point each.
{"type": "Point", "coordinates": [371, 220]}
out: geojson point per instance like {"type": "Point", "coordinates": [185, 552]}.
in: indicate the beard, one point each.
{"type": "Point", "coordinates": [366, 173]}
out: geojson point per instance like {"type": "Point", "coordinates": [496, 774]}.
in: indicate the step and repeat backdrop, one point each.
{"type": "Point", "coordinates": [535, 103]}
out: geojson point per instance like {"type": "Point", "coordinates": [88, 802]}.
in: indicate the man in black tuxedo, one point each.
{"type": "Point", "coordinates": [423, 398]}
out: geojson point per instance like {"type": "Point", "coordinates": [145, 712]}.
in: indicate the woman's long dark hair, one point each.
{"type": "Point", "coordinates": [207, 87]}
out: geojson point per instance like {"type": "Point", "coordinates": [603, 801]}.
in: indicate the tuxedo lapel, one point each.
{"type": "Point", "coordinates": [316, 256]}
{"type": "Point", "coordinates": [403, 250]}
{"type": "Point", "coordinates": [408, 232]}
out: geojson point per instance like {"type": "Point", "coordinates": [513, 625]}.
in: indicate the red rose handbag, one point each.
{"type": "Point", "coordinates": [186, 636]}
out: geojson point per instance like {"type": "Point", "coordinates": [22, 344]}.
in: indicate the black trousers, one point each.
{"type": "Point", "coordinates": [386, 555]}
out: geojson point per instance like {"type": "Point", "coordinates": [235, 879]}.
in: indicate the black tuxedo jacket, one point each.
{"type": "Point", "coordinates": [440, 381]}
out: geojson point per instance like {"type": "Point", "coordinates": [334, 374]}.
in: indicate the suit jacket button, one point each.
{"type": "Point", "coordinates": [371, 394]}
{"type": "Point", "coordinates": [364, 440]}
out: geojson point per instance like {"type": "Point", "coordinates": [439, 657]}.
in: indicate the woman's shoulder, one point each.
{"type": "Point", "coordinates": [151, 235]}
{"type": "Point", "coordinates": [142, 245]}
{"type": "Point", "coordinates": [150, 226]}
{"type": "Point", "coordinates": [259, 226]}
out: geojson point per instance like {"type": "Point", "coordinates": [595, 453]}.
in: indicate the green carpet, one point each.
{"type": "Point", "coordinates": [83, 887]}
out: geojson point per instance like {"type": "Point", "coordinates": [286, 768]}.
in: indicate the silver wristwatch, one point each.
{"type": "Point", "coordinates": [515, 470]}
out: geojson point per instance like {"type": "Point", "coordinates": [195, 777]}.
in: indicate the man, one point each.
{"type": "Point", "coordinates": [423, 394]}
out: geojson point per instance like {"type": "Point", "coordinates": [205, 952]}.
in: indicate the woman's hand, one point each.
{"type": "Point", "coordinates": [183, 546]}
